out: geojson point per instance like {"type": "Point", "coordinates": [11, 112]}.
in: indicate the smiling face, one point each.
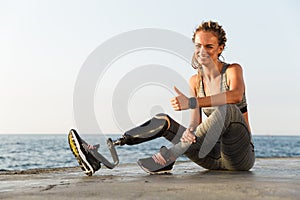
{"type": "Point", "coordinates": [207, 48]}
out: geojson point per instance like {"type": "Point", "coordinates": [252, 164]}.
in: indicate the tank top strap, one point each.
{"type": "Point", "coordinates": [225, 66]}
{"type": "Point", "coordinates": [223, 83]}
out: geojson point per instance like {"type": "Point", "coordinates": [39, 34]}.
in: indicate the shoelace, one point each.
{"type": "Point", "coordinates": [90, 147]}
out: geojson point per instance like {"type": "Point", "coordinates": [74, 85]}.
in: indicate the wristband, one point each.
{"type": "Point", "coordinates": [192, 103]}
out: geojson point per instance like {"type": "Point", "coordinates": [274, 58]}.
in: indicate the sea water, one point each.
{"type": "Point", "coordinates": [21, 152]}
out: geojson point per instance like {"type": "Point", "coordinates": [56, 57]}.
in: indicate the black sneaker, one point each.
{"type": "Point", "coordinates": [150, 165]}
{"type": "Point", "coordinates": [83, 153]}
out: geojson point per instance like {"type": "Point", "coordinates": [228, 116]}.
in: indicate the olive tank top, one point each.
{"type": "Point", "coordinates": [223, 88]}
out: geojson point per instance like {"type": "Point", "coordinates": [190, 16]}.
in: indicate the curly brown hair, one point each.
{"type": "Point", "coordinates": [215, 28]}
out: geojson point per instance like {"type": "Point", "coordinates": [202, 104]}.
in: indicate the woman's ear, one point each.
{"type": "Point", "coordinates": [221, 48]}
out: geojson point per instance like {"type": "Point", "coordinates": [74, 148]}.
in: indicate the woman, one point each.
{"type": "Point", "coordinates": [222, 141]}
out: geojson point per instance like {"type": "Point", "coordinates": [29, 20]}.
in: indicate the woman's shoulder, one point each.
{"type": "Point", "coordinates": [234, 68]}
{"type": "Point", "coordinates": [193, 82]}
{"type": "Point", "coordinates": [194, 78]}
{"type": "Point", "coordinates": [234, 71]}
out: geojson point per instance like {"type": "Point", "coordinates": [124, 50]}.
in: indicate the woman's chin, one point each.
{"type": "Point", "coordinates": [204, 61]}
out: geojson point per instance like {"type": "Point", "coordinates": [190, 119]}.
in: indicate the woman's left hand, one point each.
{"type": "Point", "coordinates": [188, 136]}
{"type": "Point", "coordinates": [181, 102]}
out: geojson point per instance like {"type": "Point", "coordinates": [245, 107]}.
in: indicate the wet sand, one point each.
{"type": "Point", "coordinates": [269, 179]}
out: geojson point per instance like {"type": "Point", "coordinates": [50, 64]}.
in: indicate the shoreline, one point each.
{"type": "Point", "coordinates": [270, 178]}
{"type": "Point", "coordinates": [57, 169]}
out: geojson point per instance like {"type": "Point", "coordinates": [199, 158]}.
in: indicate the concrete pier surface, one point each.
{"type": "Point", "coordinates": [274, 178]}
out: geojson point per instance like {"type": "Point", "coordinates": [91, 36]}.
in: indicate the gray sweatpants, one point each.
{"type": "Point", "coordinates": [223, 141]}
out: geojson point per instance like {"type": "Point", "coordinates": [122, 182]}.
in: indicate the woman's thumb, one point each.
{"type": "Point", "coordinates": [177, 91]}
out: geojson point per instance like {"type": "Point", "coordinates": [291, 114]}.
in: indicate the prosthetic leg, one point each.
{"type": "Point", "coordinates": [160, 125]}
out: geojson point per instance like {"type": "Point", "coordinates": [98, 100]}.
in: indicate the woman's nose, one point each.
{"type": "Point", "coordinates": [201, 51]}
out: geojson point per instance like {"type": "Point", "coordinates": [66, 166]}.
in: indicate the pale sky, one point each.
{"type": "Point", "coordinates": [44, 44]}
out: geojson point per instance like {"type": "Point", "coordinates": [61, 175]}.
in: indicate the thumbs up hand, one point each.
{"type": "Point", "coordinates": [180, 102]}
